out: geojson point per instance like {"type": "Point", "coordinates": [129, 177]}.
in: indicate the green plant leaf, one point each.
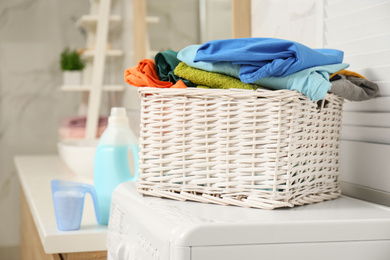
{"type": "Point", "coordinates": [71, 60]}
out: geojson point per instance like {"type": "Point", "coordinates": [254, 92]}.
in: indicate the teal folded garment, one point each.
{"type": "Point", "coordinates": [166, 62]}
{"type": "Point", "coordinates": [312, 82]}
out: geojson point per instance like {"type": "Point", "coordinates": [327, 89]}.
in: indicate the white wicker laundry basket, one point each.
{"type": "Point", "coordinates": [262, 149]}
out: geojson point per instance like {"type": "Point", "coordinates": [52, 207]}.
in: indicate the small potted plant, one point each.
{"type": "Point", "coordinates": [72, 65]}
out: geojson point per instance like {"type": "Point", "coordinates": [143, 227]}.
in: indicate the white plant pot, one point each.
{"type": "Point", "coordinates": [72, 77]}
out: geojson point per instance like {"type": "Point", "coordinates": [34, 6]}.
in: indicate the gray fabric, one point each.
{"type": "Point", "coordinates": [354, 88]}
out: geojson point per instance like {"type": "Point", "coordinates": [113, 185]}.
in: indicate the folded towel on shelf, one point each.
{"type": "Point", "coordinates": [264, 57]}
{"type": "Point", "coordinates": [210, 79]}
{"type": "Point", "coordinates": [312, 82]}
{"type": "Point", "coordinates": [75, 127]}
{"type": "Point", "coordinates": [353, 88]}
{"type": "Point", "coordinates": [166, 63]}
{"type": "Point", "coordinates": [145, 75]}
{"type": "Point", "coordinates": [77, 133]}
{"type": "Point", "coordinates": [81, 121]}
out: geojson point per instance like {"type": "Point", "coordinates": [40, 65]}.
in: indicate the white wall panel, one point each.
{"type": "Point", "coordinates": [380, 104]}
{"type": "Point", "coordinates": [368, 59]}
{"type": "Point", "coordinates": [366, 119]}
{"type": "Point", "coordinates": [366, 44]}
{"type": "Point", "coordinates": [366, 134]}
{"type": "Point", "coordinates": [361, 28]}
{"type": "Point", "coordinates": [335, 8]}
{"type": "Point", "coordinates": [366, 12]}
{"type": "Point", "coordinates": [365, 164]}
{"type": "Point", "coordinates": [384, 88]}
{"type": "Point", "coordinates": [375, 73]}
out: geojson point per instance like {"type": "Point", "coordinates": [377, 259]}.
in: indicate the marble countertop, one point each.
{"type": "Point", "coordinates": [35, 174]}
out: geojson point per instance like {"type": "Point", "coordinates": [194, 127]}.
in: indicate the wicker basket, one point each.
{"type": "Point", "coordinates": [262, 149]}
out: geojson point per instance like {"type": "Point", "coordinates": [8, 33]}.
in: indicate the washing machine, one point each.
{"type": "Point", "coordinates": [150, 228]}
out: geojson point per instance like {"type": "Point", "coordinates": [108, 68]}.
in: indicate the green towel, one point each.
{"type": "Point", "coordinates": [166, 62]}
{"type": "Point", "coordinates": [210, 79]}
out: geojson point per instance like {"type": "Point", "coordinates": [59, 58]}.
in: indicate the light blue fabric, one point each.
{"type": "Point", "coordinates": [312, 82]}
{"type": "Point", "coordinates": [264, 57]}
{"type": "Point", "coordinates": [187, 55]}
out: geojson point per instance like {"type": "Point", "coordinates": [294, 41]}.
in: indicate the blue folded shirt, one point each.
{"type": "Point", "coordinates": [263, 57]}
{"type": "Point", "coordinates": [312, 82]}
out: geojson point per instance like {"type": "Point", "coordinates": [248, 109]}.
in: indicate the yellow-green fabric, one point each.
{"type": "Point", "coordinates": [210, 79]}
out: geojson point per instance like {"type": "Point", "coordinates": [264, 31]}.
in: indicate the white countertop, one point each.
{"type": "Point", "coordinates": [35, 174]}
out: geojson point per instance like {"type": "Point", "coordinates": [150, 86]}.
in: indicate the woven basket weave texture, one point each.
{"type": "Point", "coordinates": [263, 149]}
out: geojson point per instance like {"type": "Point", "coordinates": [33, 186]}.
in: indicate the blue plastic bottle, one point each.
{"type": "Point", "coordinates": [111, 168]}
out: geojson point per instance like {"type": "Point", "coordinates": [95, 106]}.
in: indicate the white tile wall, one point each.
{"type": "Point", "coordinates": [361, 29]}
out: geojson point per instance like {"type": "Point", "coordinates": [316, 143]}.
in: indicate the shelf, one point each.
{"type": "Point", "coordinates": [88, 87]}
{"type": "Point", "coordinates": [110, 53]}
{"type": "Point", "coordinates": [89, 20]}
{"type": "Point", "coordinates": [98, 25]}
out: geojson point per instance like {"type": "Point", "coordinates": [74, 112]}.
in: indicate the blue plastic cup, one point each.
{"type": "Point", "coordinates": [68, 199]}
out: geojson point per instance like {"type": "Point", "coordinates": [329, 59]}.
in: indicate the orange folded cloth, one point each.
{"type": "Point", "coordinates": [145, 75]}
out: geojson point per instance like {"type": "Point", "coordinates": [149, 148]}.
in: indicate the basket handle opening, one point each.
{"type": "Point", "coordinates": [323, 103]}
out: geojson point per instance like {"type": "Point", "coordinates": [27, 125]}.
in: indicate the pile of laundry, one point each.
{"type": "Point", "coordinates": [252, 63]}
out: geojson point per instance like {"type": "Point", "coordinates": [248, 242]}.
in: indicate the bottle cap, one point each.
{"type": "Point", "coordinates": [118, 116]}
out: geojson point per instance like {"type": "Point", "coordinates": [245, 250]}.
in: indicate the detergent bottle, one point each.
{"type": "Point", "coordinates": [117, 147]}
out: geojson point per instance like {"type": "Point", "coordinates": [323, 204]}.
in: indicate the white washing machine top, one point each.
{"type": "Point", "coordinates": [194, 224]}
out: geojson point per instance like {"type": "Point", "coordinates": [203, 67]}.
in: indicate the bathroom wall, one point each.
{"type": "Point", "coordinates": [32, 35]}
{"type": "Point", "coordinates": [183, 23]}
{"type": "Point", "coordinates": [298, 20]}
